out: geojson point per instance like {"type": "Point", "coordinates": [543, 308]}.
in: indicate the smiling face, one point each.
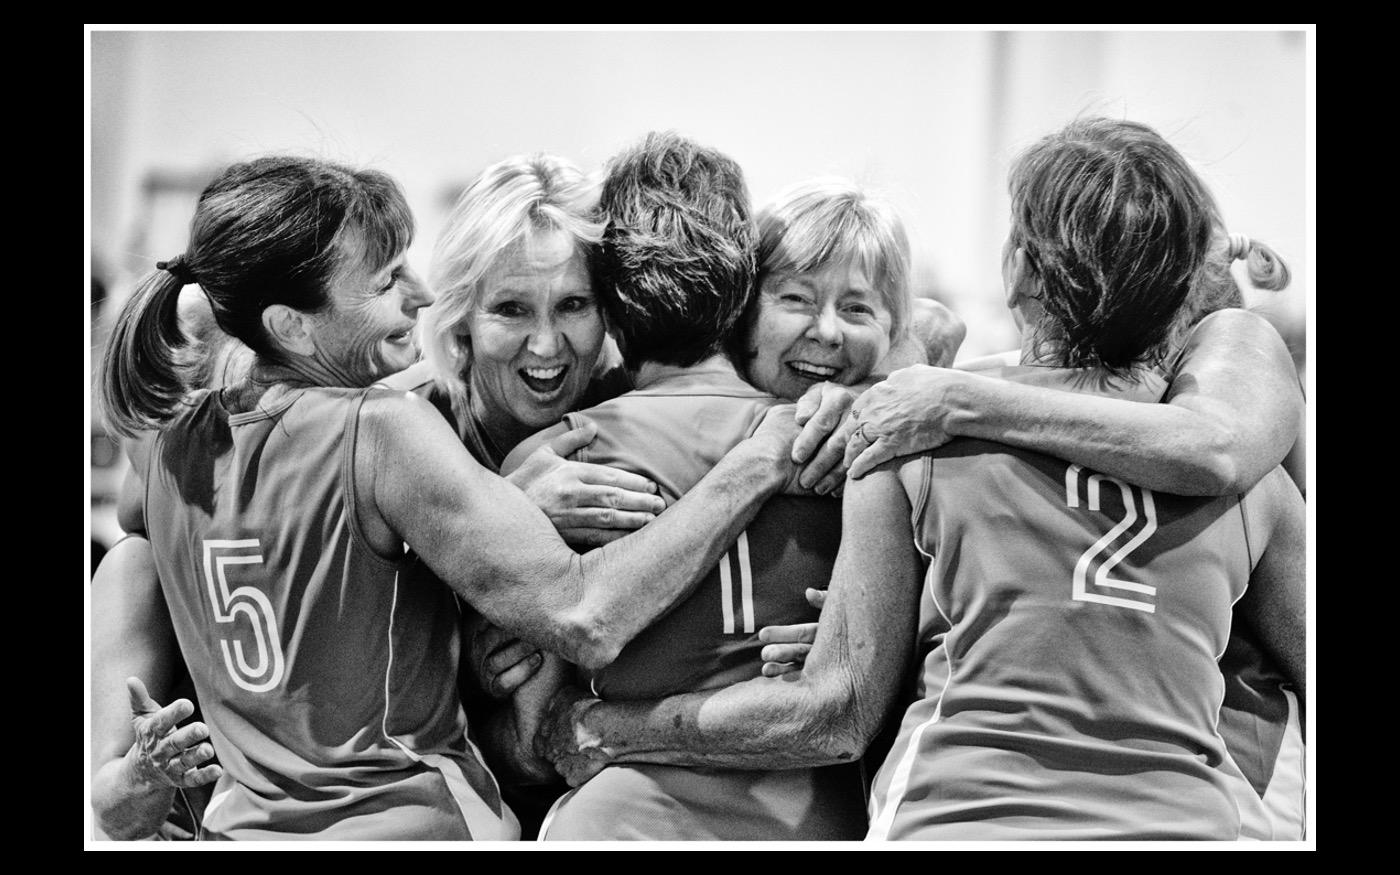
{"type": "Point", "coordinates": [535, 335]}
{"type": "Point", "coordinates": [829, 324]}
{"type": "Point", "coordinates": [367, 332]}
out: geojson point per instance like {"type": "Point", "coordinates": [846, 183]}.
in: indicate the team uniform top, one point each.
{"type": "Point", "coordinates": [325, 677]}
{"type": "Point", "coordinates": [673, 430]}
{"type": "Point", "coordinates": [1070, 628]}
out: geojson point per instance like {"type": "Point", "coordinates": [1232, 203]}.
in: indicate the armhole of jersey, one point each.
{"type": "Point", "coordinates": [348, 444]}
{"type": "Point", "coordinates": [916, 519]}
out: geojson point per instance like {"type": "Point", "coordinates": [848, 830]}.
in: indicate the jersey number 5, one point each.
{"type": "Point", "coordinates": [265, 671]}
{"type": "Point", "coordinates": [1142, 525]}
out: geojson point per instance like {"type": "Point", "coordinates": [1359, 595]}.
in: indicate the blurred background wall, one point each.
{"type": "Point", "coordinates": [931, 118]}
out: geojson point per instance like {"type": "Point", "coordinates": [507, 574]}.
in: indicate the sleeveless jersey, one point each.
{"type": "Point", "coordinates": [1070, 628]}
{"type": "Point", "coordinates": [325, 677]}
{"type": "Point", "coordinates": [674, 430]}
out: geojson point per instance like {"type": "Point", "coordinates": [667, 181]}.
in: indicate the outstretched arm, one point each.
{"type": "Point", "coordinates": [484, 538]}
{"type": "Point", "coordinates": [1232, 413]}
{"type": "Point", "coordinates": [139, 757]}
{"type": "Point", "coordinates": [826, 713]}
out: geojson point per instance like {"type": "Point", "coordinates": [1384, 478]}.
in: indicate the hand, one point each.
{"type": "Point", "coordinates": [775, 437]}
{"type": "Point", "coordinates": [826, 428]}
{"type": "Point", "coordinates": [589, 504]}
{"type": "Point", "coordinates": [786, 647]}
{"type": "Point", "coordinates": [500, 661]}
{"type": "Point", "coordinates": [164, 756]}
{"type": "Point", "coordinates": [938, 330]}
{"type": "Point", "coordinates": [562, 739]}
{"type": "Point", "coordinates": [906, 413]}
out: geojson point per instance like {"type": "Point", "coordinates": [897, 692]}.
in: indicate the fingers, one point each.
{"type": "Point", "coordinates": [572, 441]}
{"type": "Point", "coordinates": [809, 403]}
{"type": "Point", "coordinates": [141, 701]}
{"type": "Point", "coordinates": [778, 669]}
{"type": "Point", "coordinates": [200, 777]}
{"type": "Point", "coordinates": [626, 481]}
{"type": "Point", "coordinates": [816, 597]}
{"type": "Point", "coordinates": [502, 684]}
{"type": "Point", "coordinates": [869, 458]}
{"type": "Point", "coordinates": [833, 401]}
{"type": "Point", "coordinates": [785, 652]}
{"type": "Point", "coordinates": [827, 469]}
{"type": "Point", "coordinates": [585, 537]}
{"type": "Point", "coordinates": [600, 518]}
{"type": "Point", "coordinates": [798, 632]}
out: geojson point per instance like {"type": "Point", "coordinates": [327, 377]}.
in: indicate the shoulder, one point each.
{"type": "Point", "coordinates": [1226, 333]}
{"type": "Point", "coordinates": [417, 378]}
{"type": "Point", "coordinates": [400, 417]}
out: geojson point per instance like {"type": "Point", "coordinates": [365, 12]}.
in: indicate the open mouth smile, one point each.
{"type": "Point", "coordinates": [544, 381]}
{"type": "Point", "coordinates": [810, 371]}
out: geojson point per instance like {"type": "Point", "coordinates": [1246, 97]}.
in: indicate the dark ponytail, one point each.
{"type": "Point", "coordinates": [143, 371]}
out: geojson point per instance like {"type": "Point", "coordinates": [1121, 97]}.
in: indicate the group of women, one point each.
{"type": "Point", "coordinates": [317, 538]}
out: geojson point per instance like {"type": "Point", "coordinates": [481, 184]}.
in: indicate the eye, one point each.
{"type": "Point", "coordinates": [510, 309]}
{"type": "Point", "coordinates": [393, 281]}
{"type": "Point", "coordinates": [859, 309]}
{"type": "Point", "coordinates": [576, 304]}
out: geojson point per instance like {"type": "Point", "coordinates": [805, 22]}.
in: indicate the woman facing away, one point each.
{"type": "Point", "coordinates": [1069, 632]}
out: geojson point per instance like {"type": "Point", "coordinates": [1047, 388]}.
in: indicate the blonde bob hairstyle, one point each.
{"type": "Point", "coordinates": [508, 204]}
{"type": "Point", "coordinates": [831, 221]}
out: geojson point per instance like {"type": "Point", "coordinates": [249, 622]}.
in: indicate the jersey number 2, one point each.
{"type": "Point", "coordinates": [1142, 525]}
{"type": "Point", "coordinates": [265, 670]}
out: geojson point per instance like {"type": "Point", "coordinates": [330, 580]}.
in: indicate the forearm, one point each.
{"type": "Point", "coordinates": [123, 806]}
{"type": "Point", "coordinates": [826, 713]}
{"type": "Point", "coordinates": [764, 723]}
{"type": "Point", "coordinates": [624, 586]}
{"type": "Point", "coordinates": [1159, 446]}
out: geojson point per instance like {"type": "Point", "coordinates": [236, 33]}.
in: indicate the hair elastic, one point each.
{"type": "Point", "coordinates": [1239, 246]}
{"type": "Point", "coordinates": [177, 268]}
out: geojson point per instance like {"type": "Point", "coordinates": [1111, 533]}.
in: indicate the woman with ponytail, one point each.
{"type": "Point", "coordinates": [279, 509]}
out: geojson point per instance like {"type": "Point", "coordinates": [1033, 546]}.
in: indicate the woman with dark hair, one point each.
{"type": "Point", "coordinates": [676, 273]}
{"type": "Point", "coordinates": [1070, 626]}
{"type": "Point", "coordinates": [278, 509]}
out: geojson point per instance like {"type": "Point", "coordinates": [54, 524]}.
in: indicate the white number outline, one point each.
{"type": "Point", "coordinates": [1080, 583]}
{"type": "Point", "coordinates": [251, 602]}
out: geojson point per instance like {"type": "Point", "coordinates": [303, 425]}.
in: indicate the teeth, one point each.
{"type": "Point", "coordinates": [545, 373]}
{"type": "Point", "coordinates": [821, 371]}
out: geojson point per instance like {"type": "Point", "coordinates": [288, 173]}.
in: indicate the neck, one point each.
{"type": "Point", "coordinates": [503, 430]}
{"type": "Point", "coordinates": [650, 372]}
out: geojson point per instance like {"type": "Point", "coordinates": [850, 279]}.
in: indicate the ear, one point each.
{"type": "Point", "coordinates": [1020, 284]}
{"type": "Point", "coordinates": [290, 329]}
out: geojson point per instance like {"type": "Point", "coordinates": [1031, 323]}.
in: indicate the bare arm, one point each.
{"type": "Point", "coordinates": [132, 636]}
{"type": "Point", "coordinates": [826, 713]}
{"type": "Point", "coordinates": [1275, 604]}
{"type": "Point", "coordinates": [1231, 415]}
{"type": "Point", "coordinates": [484, 538]}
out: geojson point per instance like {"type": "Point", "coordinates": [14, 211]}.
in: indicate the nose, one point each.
{"type": "Point", "coordinates": [416, 294]}
{"type": "Point", "coordinates": [545, 339]}
{"type": "Point", "coordinates": [825, 327]}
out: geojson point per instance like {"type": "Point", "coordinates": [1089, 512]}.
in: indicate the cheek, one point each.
{"type": "Point", "coordinates": [773, 334]}
{"type": "Point", "coordinates": [492, 344]}
{"type": "Point", "coordinates": [585, 336]}
{"type": "Point", "coordinates": [866, 348]}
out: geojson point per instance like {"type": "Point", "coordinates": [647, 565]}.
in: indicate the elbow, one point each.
{"type": "Point", "coordinates": [1211, 468]}
{"type": "Point", "coordinates": [1218, 474]}
{"type": "Point", "coordinates": [843, 728]}
{"type": "Point", "coordinates": [589, 643]}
